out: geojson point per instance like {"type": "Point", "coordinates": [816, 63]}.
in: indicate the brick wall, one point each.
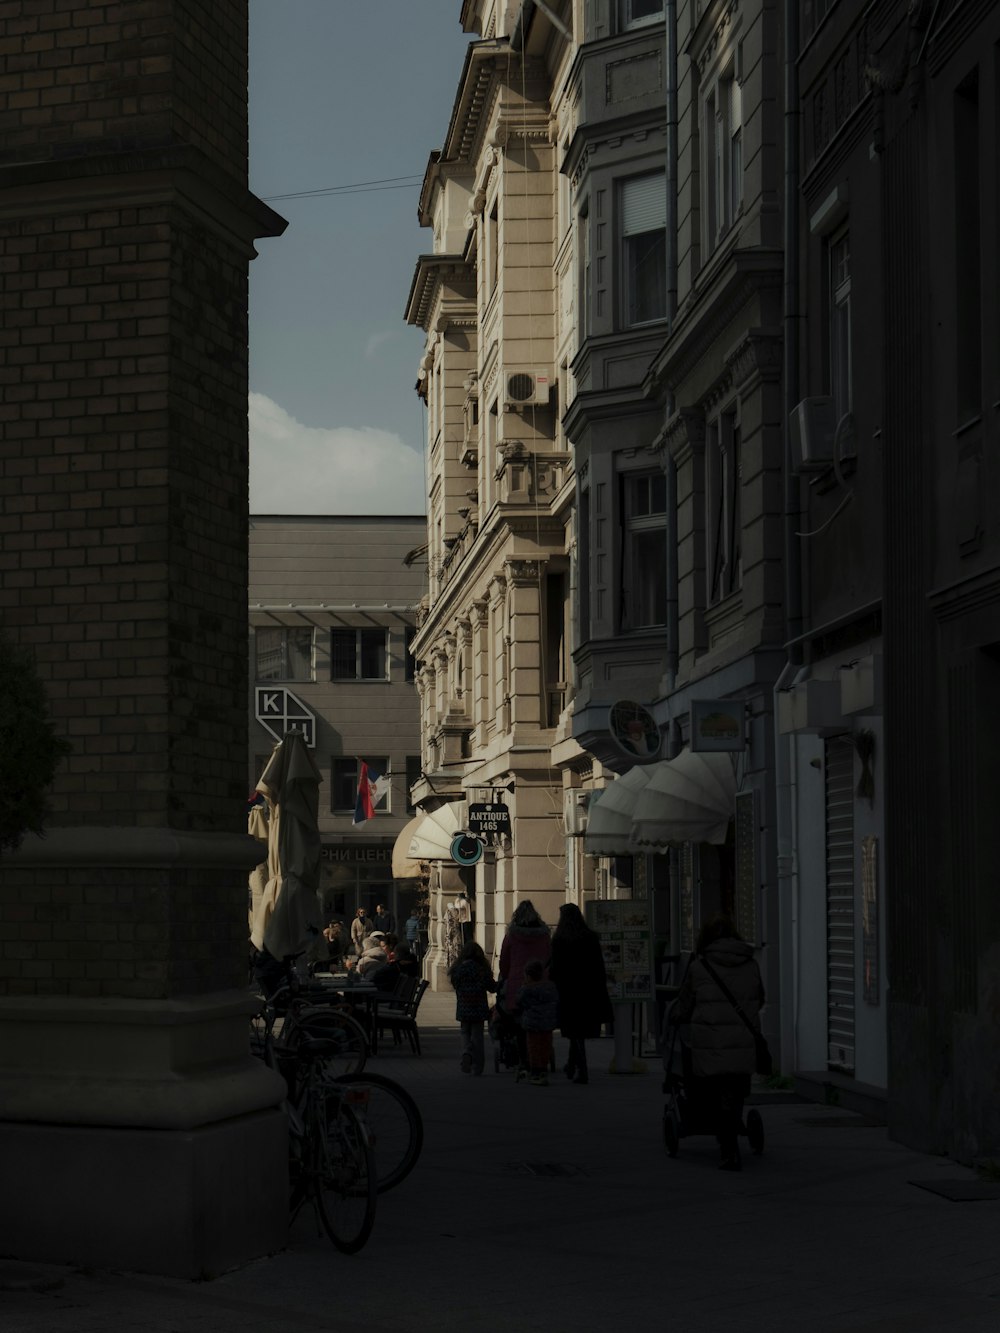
{"type": "Point", "coordinates": [123, 473]}
{"type": "Point", "coordinates": [78, 77]}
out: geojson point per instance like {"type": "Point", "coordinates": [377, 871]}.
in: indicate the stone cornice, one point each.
{"type": "Point", "coordinates": [709, 311]}
{"type": "Point", "coordinates": [684, 435]}
{"type": "Point", "coordinates": [430, 273]}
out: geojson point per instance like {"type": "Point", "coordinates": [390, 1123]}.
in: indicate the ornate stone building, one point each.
{"type": "Point", "coordinates": [493, 634]}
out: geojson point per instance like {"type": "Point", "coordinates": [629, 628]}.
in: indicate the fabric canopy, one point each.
{"type": "Point", "coordinates": [688, 799]}
{"type": "Point", "coordinates": [288, 909]}
{"type": "Point", "coordinates": [403, 865]}
{"type": "Point", "coordinates": [609, 819]}
{"type": "Point", "coordinates": [431, 839]}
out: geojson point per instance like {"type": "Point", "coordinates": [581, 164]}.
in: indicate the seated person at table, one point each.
{"type": "Point", "coordinates": [372, 956]}
{"type": "Point", "coordinates": [407, 964]}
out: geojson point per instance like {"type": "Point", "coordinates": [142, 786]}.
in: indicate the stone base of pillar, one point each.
{"type": "Point", "coordinates": [182, 1203]}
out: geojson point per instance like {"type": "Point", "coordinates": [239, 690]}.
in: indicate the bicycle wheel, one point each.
{"type": "Point", "coordinates": [333, 1025]}
{"type": "Point", "coordinates": [394, 1123]}
{"type": "Point", "coordinates": [343, 1175]}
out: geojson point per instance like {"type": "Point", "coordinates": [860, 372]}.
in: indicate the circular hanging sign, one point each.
{"type": "Point", "coordinates": [466, 850]}
{"type": "Point", "coordinates": [633, 729]}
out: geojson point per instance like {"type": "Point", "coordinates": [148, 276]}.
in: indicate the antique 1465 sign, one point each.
{"type": "Point", "coordinates": [489, 822]}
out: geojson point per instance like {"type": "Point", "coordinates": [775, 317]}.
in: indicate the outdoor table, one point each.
{"type": "Point", "coordinates": [360, 992]}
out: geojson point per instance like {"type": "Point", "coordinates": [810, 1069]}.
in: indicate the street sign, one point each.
{"type": "Point", "coordinates": [279, 711]}
{"type": "Point", "coordinates": [489, 822]}
{"type": "Point", "coordinates": [465, 850]}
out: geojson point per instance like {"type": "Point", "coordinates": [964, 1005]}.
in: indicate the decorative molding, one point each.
{"type": "Point", "coordinates": [634, 78]}
{"type": "Point", "coordinates": [523, 573]}
{"type": "Point", "coordinates": [684, 436]}
{"type": "Point", "coordinates": [718, 36]}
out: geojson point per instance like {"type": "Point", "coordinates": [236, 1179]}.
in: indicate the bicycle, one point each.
{"type": "Point", "coordinates": [302, 1016]}
{"type": "Point", "coordinates": [393, 1121]}
{"type": "Point", "coordinates": [331, 1161]}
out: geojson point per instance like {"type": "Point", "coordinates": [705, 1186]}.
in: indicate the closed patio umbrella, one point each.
{"type": "Point", "coordinates": [289, 907]}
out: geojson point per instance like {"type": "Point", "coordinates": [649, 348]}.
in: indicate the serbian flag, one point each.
{"type": "Point", "coordinates": [372, 787]}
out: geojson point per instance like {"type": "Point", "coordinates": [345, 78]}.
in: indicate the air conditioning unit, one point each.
{"type": "Point", "coordinates": [813, 426]}
{"type": "Point", "coordinates": [526, 388]}
{"type": "Point", "coordinates": [577, 808]}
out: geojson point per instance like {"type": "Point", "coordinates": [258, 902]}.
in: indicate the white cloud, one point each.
{"type": "Point", "coordinates": [297, 469]}
{"type": "Point", "coordinates": [376, 341]}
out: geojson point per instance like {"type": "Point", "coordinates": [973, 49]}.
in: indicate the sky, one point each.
{"type": "Point", "coordinates": [342, 92]}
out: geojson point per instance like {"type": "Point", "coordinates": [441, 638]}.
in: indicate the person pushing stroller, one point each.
{"type": "Point", "coordinates": [722, 1051]}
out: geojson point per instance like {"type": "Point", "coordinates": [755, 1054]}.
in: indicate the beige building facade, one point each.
{"type": "Point", "coordinates": [332, 617]}
{"type": "Point", "coordinates": [493, 634]}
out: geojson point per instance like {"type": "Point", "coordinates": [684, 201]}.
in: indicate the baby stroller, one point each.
{"type": "Point", "coordinates": [691, 1106]}
{"type": "Point", "coordinates": [503, 1029]}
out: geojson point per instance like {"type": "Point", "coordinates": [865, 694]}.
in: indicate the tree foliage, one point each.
{"type": "Point", "coordinates": [30, 750]}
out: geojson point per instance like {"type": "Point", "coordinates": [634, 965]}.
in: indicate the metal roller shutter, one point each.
{"type": "Point", "coordinates": [839, 771]}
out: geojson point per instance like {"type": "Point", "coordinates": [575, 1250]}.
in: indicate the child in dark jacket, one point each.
{"type": "Point", "coordinates": [538, 1013]}
{"type": "Point", "coordinates": [472, 977]}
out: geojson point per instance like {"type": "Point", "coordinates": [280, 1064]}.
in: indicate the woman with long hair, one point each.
{"type": "Point", "coordinates": [527, 937]}
{"type": "Point", "coordinates": [578, 971]}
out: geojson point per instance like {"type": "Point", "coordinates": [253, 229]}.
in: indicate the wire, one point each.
{"type": "Point", "coordinates": [355, 187]}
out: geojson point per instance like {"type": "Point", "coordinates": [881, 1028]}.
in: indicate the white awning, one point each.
{"type": "Point", "coordinates": [688, 799]}
{"type": "Point", "coordinates": [431, 839]}
{"type": "Point", "coordinates": [403, 865]}
{"type": "Point", "coordinates": [610, 814]}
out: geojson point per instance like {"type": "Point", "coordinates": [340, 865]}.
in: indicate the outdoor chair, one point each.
{"type": "Point", "coordinates": [403, 1022]}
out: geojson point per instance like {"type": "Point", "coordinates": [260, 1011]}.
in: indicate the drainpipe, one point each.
{"type": "Point", "coordinates": [670, 14]}
{"type": "Point", "coordinates": [785, 793]}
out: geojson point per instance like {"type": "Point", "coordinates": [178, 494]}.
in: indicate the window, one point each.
{"type": "Point", "coordinates": [585, 283]}
{"type": "Point", "coordinates": [644, 563]}
{"type": "Point", "coordinates": [840, 323]}
{"type": "Point", "coordinates": [284, 654]}
{"type": "Point", "coordinates": [723, 156]}
{"type": "Point", "coordinates": [493, 246]}
{"type": "Point", "coordinates": [637, 13]}
{"type": "Point", "coordinates": [414, 772]}
{"type": "Point", "coordinates": [344, 781]}
{"type": "Point", "coordinates": [643, 219]}
{"type": "Point", "coordinates": [723, 484]}
{"type": "Point", "coordinates": [358, 654]}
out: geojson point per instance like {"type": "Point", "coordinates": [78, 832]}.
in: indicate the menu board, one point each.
{"type": "Point", "coordinates": [627, 945]}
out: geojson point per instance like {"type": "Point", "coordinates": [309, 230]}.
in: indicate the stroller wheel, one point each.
{"type": "Point", "coordinates": [755, 1131]}
{"type": "Point", "coordinates": [671, 1138]}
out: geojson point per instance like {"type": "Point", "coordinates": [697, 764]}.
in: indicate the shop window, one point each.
{"type": "Point", "coordinates": [284, 654]}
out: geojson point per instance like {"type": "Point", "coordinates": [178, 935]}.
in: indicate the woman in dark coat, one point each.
{"type": "Point", "coordinates": [723, 1054]}
{"type": "Point", "coordinates": [578, 971]}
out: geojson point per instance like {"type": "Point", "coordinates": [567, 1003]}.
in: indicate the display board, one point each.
{"type": "Point", "coordinates": [627, 945]}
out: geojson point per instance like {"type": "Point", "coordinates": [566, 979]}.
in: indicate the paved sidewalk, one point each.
{"type": "Point", "coordinates": [823, 1232]}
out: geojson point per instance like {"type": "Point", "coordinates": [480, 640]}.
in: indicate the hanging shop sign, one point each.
{"type": "Point", "coordinates": [489, 822]}
{"type": "Point", "coordinates": [633, 729]}
{"type": "Point", "coordinates": [718, 724]}
{"type": "Point", "coordinates": [466, 850]}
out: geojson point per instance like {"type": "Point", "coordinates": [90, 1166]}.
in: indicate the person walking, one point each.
{"type": "Point", "coordinates": [471, 976]}
{"type": "Point", "coordinates": [411, 930]}
{"type": "Point", "coordinates": [384, 919]}
{"type": "Point", "coordinates": [538, 1012]}
{"type": "Point", "coordinates": [577, 969]}
{"type": "Point", "coordinates": [723, 1053]}
{"type": "Point", "coordinates": [361, 928]}
{"type": "Point", "coordinates": [527, 937]}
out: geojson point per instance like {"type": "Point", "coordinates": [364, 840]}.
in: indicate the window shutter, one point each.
{"type": "Point", "coordinates": [644, 204]}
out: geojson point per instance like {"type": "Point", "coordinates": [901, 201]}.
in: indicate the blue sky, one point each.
{"type": "Point", "coordinates": [342, 92]}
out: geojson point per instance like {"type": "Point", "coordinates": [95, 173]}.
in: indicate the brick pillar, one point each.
{"type": "Point", "coordinates": [135, 1131]}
